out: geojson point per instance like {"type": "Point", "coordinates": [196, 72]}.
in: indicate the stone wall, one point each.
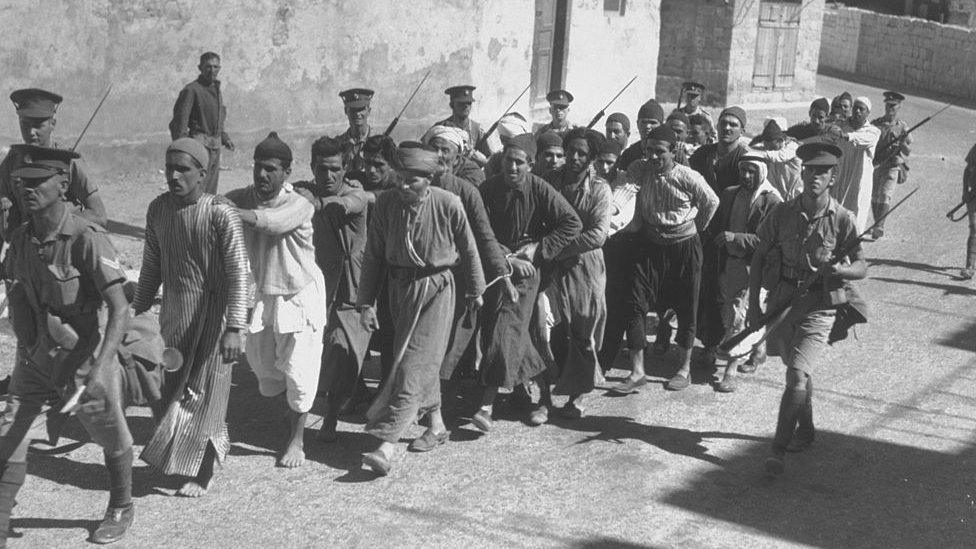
{"type": "Point", "coordinates": [284, 61]}
{"type": "Point", "coordinates": [904, 52]}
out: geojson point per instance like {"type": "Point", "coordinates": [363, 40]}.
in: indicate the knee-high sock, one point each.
{"type": "Point", "coordinates": [804, 428]}
{"type": "Point", "coordinates": [790, 407]}
{"type": "Point", "coordinates": [14, 473]}
{"type": "Point", "coordinates": [119, 479]}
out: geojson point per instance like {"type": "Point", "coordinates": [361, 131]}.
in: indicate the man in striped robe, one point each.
{"type": "Point", "coordinates": [195, 249]}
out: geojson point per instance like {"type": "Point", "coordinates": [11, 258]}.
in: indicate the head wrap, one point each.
{"type": "Point", "coordinates": [620, 118]}
{"type": "Point", "coordinates": [651, 110]}
{"type": "Point", "coordinates": [192, 147]}
{"type": "Point", "coordinates": [662, 133]}
{"type": "Point", "coordinates": [820, 104]}
{"type": "Point", "coordinates": [764, 184]}
{"type": "Point", "coordinates": [525, 142]}
{"type": "Point", "coordinates": [735, 111]}
{"type": "Point", "coordinates": [453, 135]}
{"type": "Point", "coordinates": [273, 147]}
{"type": "Point", "coordinates": [512, 124]}
{"type": "Point", "coordinates": [864, 101]}
{"type": "Point", "coordinates": [548, 139]}
{"type": "Point", "coordinates": [418, 160]}
{"type": "Point", "coordinates": [679, 115]}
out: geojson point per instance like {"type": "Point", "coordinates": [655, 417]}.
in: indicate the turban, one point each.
{"type": "Point", "coordinates": [864, 101]}
{"type": "Point", "coordinates": [548, 139]}
{"type": "Point", "coordinates": [512, 124]}
{"type": "Point", "coordinates": [737, 112]}
{"type": "Point", "coordinates": [525, 142]}
{"type": "Point", "coordinates": [192, 147]}
{"type": "Point", "coordinates": [820, 104]}
{"type": "Point", "coordinates": [453, 135]}
{"type": "Point", "coordinates": [416, 159]}
{"type": "Point", "coordinates": [662, 133]}
{"type": "Point", "coordinates": [651, 110]}
{"type": "Point", "coordinates": [679, 115]}
{"type": "Point", "coordinates": [621, 119]}
{"type": "Point", "coordinates": [273, 147]}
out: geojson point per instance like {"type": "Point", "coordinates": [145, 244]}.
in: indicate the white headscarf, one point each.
{"type": "Point", "coordinates": [764, 184]}
{"type": "Point", "coordinates": [865, 101]}
{"type": "Point", "coordinates": [457, 136]}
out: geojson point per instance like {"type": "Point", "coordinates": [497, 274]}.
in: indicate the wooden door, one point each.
{"type": "Point", "coordinates": [776, 45]}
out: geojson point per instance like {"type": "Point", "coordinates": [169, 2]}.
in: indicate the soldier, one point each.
{"type": "Point", "coordinates": [461, 99]}
{"type": "Point", "coordinates": [36, 109]}
{"type": "Point", "coordinates": [199, 113]}
{"type": "Point", "coordinates": [559, 101]}
{"type": "Point", "coordinates": [807, 231]}
{"type": "Point", "coordinates": [889, 158]}
{"type": "Point", "coordinates": [692, 95]}
{"type": "Point", "coordinates": [356, 104]}
{"type": "Point", "coordinates": [63, 268]}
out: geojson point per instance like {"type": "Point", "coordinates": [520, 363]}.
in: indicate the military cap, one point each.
{"type": "Point", "coordinates": [693, 88]}
{"type": "Point", "coordinates": [461, 94]}
{"type": "Point", "coordinates": [35, 103]}
{"type": "Point", "coordinates": [42, 162]}
{"type": "Point", "coordinates": [356, 97]}
{"type": "Point", "coordinates": [559, 97]}
{"type": "Point", "coordinates": [893, 97]}
{"type": "Point", "coordinates": [819, 154]}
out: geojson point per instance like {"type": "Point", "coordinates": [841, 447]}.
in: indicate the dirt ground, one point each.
{"type": "Point", "coordinates": [893, 465]}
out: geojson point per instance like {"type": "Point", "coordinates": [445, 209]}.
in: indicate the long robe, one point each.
{"type": "Point", "coordinates": [197, 253]}
{"type": "Point", "coordinates": [416, 245]}
{"type": "Point", "coordinates": [854, 175]}
{"type": "Point", "coordinates": [577, 292]}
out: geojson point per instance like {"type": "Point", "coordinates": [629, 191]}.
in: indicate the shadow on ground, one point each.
{"type": "Point", "coordinates": [846, 491]}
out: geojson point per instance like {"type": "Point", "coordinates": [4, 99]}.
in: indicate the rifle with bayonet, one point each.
{"type": "Point", "coordinates": [603, 111]}
{"type": "Point", "coordinates": [484, 138]}
{"type": "Point", "coordinates": [893, 148]}
{"type": "Point", "coordinates": [773, 317]}
{"type": "Point", "coordinates": [389, 129]}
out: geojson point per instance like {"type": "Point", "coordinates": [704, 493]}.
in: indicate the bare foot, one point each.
{"type": "Point", "coordinates": [200, 484]}
{"type": "Point", "coordinates": [294, 456]}
{"type": "Point", "coordinates": [193, 489]}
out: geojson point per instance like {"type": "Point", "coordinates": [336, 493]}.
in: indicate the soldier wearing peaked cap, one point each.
{"type": "Point", "coordinates": [36, 109]}
{"type": "Point", "coordinates": [559, 101]}
{"type": "Point", "coordinates": [63, 269]}
{"type": "Point", "coordinates": [692, 94]}
{"type": "Point", "coordinates": [890, 166]}
{"type": "Point", "coordinates": [356, 104]}
{"type": "Point", "coordinates": [808, 231]}
{"type": "Point", "coordinates": [462, 97]}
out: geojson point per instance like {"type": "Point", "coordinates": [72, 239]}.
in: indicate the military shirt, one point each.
{"type": "Point", "coordinates": [890, 133]}
{"type": "Point", "coordinates": [475, 132]}
{"type": "Point", "coordinates": [352, 150]}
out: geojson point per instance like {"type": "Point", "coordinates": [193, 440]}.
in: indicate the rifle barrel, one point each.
{"type": "Point", "coordinates": [92, 117]}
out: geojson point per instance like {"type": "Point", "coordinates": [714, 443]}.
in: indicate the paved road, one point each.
{"type": "Point", "coordinates": [894, 464]}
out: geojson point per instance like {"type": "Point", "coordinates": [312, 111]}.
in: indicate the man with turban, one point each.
{"type": "Point", "coordinates": [417, 235]}
{"type": "Point", "coordinates": [509, 126]}
{"type": "Point", "coordinates": [195, 250]}
{"type": "Point", "coordinates": [674, 205]}
{"type": "Point", "coordinates": [284, 347]}
{"type": "Point", "coordinates": [533, 223]}
{"type": "Point", "coordinates": [453, 146]}
{"type": "Point", "coordinates": [857, 139]}
{"type": "Point", "coordinates": [742, 208]}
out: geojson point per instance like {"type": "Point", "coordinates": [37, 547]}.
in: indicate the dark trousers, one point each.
{"type": "Point", "coordinates": [711, 330]}
{"type": "Point", "coordinates": [673, 270]}
{"type": "Point", "coordinates": [619, 254]}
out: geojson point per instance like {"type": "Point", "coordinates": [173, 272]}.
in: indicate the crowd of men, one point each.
{"type": "Point", "coordinates": [527, 261]}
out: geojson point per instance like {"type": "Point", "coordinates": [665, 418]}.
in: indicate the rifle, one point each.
{"type": "Point", "coordinates": [681, 95]}
{"type": "Point", "coordinates": [484, 138]}
{"type": "Point", "coordinates": [951, 214]}
{"type": "Point", "coordinates": [772, 318]}
{"type": "Point", "coordinates": [90, 119]}
{"type": "Point", "coordinates": [603, 111]}
{"type": "Point", "coordinates": [891, 149]}
{"type": "Point", "coordinates": [389, 129]}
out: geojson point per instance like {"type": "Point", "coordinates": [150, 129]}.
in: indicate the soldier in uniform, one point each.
{"type": "Point", "coordinates": [559, 101]}
{"type": "Point", "coordinates": [63, 268]}
{"type": "Point", "coordinates": [356, 104]}
{"type": "Point", "coordinates": [36, 109]}
{"type": "Point", "coordinates": [461, 99]}
{"type": "Point", "coordinates": [692, 92]}
{"type": "Point", "coordinates": [889, 158]}
{"type": "Point", "coordinates": [807, 231]}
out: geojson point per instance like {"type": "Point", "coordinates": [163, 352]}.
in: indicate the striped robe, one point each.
{"type": "Point", "coordinates": [197, 253]}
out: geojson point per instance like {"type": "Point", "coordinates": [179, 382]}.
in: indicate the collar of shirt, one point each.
{"type": "Point", "coordinates": [829, 210]}
{"type": "Point", "coordinates": [52, 236]}
{"type": "Point", "coordinates": [215, 84]}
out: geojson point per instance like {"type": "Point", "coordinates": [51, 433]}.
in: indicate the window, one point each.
{"type": "Point", "coordinates": [619, 6]}
{"type": "Point", "coordinates": [776, 45]}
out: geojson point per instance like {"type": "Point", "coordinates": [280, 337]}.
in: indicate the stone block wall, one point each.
{"type": "Point", "coordinates": [905, 52]}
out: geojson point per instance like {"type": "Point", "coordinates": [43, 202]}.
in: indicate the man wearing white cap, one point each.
{"type": "Point", "coordinates": [857, 139]}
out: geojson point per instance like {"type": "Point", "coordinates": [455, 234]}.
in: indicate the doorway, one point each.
{"type": "Point", "coordinates": [548, 49]}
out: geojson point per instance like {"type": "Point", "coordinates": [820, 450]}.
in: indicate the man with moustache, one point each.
{"type": "Point", "coordinates": [462, 97]}
{"type": "Point", "coordinates": [284, 346]}
{"type": "Point", "coordinates": [195, 250]}
{"type": "Point", "coordinates": [356, 105]}
{"type": "Point", "coordinates": [452, 144]}
{"type": "Point", "coordinates": [417, 234]}
{"type": "Point", "coordinates": [817, 123]}
{"type": "Point", "coordinates": [199, 113]}
{"type": "Point", "coordinates": [339, 226]}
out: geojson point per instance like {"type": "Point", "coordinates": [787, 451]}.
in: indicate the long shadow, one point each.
{"type": "Point", "coordinates": [947, 289]}
{"type": "Point", "coordinates": [125, 229]}
{"type": "Point", "coordinates": [47, 524]}
{"type": "Point", "coordinates": [846, 491]}
{"type": "Point", "coordinates": [961, 337]}
{"type": "Point", "coordinates": [911, 265]}
{"type": "Point", "coordinates": [92, 476]}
